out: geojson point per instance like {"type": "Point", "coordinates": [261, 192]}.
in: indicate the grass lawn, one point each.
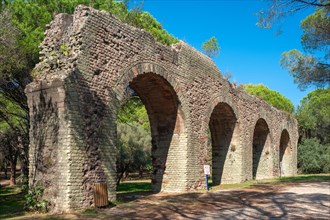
{"type": "Point", "coordinates": [134, 187]}
{"type": "Point", "coordinates": [298, 178]}
{"type": "Point", "coordinates": [11, 202]}
{"type": "Point", "coordinates": [305, 178]}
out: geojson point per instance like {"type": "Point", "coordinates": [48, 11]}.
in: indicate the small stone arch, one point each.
{"type": "Point", "coordinates": [261, 150]}
{"type": "Point", "coordinates": [128, 74]}
{"type": "Point", "coordinates": [285, 153]}
{"type": "Point", "coordinates": [221, 99]}
{"type": "Point", "coordinates": [159, 93]}
{"type": "Point", "coordinates": [224, 142]}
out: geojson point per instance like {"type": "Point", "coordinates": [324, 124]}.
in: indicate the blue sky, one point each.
{"type": "Point", "coordinates": [251, 54]}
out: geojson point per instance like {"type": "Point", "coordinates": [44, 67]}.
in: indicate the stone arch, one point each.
{"type": "Point", "coordinates": [224, 140]}
{"type": "Point", "coordinates": [159, 93]}
{"type": "Point", "coordinates": [285, 153]}
{"type": "Point", "coordinates": [128, 74]}
{"type": "Point", "coordinates": [261, 150]}
{"type": "Point", "coordinates": [224, 99]}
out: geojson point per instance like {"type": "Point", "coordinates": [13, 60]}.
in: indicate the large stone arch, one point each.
{"type": "Point", "coordinates": [261, 150]}
{"type": "Point", "coordinates": [129, 73]}
{"type": "Point", "coordinates": [224, 143]}
{"type": "Point", "coordinates": [222, 119]}
{"type": "Point", "coordinates": [160, 94]}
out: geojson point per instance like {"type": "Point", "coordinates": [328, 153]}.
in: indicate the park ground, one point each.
{"type": "Point", "coordinates": [301, 197]}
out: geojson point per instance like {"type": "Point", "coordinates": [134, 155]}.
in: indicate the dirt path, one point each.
{"type": "Point", "coordinates": [282, 201]}
{"type": "Point", "coordinates": [297, 201]}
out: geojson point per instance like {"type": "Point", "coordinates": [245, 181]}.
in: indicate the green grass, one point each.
{"type": "Point", "coordinates": [134, 187]}
{"type": "Point", "coordinates": [11, 202]}
{"type": "Point", "coordinates": [305, 178]}
{"type": "Point", "coordinates": [278, 180]}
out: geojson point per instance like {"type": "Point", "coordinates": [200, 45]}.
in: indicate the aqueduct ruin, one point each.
{"type": "Point", "coordinates": [89, 59]}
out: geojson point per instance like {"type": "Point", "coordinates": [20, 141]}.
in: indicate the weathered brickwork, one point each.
{"type": "Point", "coordinates": [89, 59]}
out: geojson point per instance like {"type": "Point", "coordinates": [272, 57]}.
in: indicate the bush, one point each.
{"type": "Point", "coordinates": [33, 200]}
{"type": "Point", "coordinates": [313, 157]}
{"type": "Point", "coordinates": [272, 97]}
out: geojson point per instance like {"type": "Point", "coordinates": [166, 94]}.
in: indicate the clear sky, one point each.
{"type": "Point", "coordinates": [250, 53]}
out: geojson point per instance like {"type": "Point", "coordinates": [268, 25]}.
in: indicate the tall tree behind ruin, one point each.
{"type": "Point", "coordinates": [313, 68]}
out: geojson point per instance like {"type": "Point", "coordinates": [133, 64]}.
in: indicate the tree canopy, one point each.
{"type": "Point", "coordinates": [134, 138]}
{"type": "Point", "coordinates": [133, 149]}
{"type": "Point", "coordinates": [272, 97]}
{"type": "Point", "coordinates": [32, 16]}
{"type": "Point", "coordinates": [313, 68]}
{"type": "Point", "coordinates": [305, 69]}
{"type": "Point", "coordinates": [280, 9]}
{"type": "Point", "coordinates": [313, 115]}
{"type": "Point", "coordinates": [133, 111]}
{"type": "Point", "coordinates": [211, 47]}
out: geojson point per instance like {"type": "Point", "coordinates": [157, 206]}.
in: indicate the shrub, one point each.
{"type": "Point", "coordinates": [34, 201]}
{"type": "Point", "coordinates": [313, 157]}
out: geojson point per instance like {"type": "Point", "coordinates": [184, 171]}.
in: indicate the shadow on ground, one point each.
{"type": "Point", "coordinates": [281, 201]}
{"type": "Point", "coordinates": [258, 202]}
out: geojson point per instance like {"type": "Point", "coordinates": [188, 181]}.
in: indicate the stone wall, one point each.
{"type": "Point", "coordinates": [89, 59]}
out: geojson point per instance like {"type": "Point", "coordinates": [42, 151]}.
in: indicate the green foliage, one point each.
{"type": "Point", "coordinates": [280, 9]}
{"type": "Point", "coordinates": [12, 57]}
{"type": "Point", "coordinates": [34, 201]}
{"type": "Point", "coordinates": [307, 69]}
{"type": "Point", "coordinates": [32, 16]}
{"type": "Point", "coordinates": [313, 157]}
{"type": "Point", "coordinates": [134, 138]}
{"type": "Point", "coordinates": [133, 111]}
{"type": "Point", "coordinates": [305, 178]}
{"type": "Point", "coordinates": [316, 31]}
{"type": "Point", "coordinates": [312, 69]}
{"type": "Point", "coordinates": [211, 47]}
{"type": "Point", "coordinates": [11, 115]}
{"type": "Point", "coordinates": [151, 25]}
{"type": "Point", "coordinates": [133, 150]}
{"type": "Point", "coordinates": [313, 115]}
{"type": "Point", "coordinates": [272, 97]}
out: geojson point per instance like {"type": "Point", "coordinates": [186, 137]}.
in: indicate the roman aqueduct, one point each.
{"type": "Point", "coordinates": [89, 59]}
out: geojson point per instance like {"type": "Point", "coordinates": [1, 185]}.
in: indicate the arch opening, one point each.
{"type": "Point", "coordinates": [222, 125]}
{"type": "Point", "coordinates": [285, 151]}
{"type": "Point", "coordinates": [166, 128]}
{"type": "Point", "coordinates": [261, 148]}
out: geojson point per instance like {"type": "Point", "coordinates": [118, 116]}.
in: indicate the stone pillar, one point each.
{"type": "Point", "coordinates": [49, 142]}
{"type": "Point", "coordinates": [70, 149]}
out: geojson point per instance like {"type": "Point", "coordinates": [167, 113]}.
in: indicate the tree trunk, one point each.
{"type": "Point", "coordinates": [5, 169]}
{"type": "Point", "coordinates": [25, 170]}
{"type": "Point", "coordinates": [125, 174]}
{"type": "Point", "coordinates": [125, 168]}
{"type": "Point", "coordinates": [13, 164]}
{"type": "Point", "coordinates": [141, 172]}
